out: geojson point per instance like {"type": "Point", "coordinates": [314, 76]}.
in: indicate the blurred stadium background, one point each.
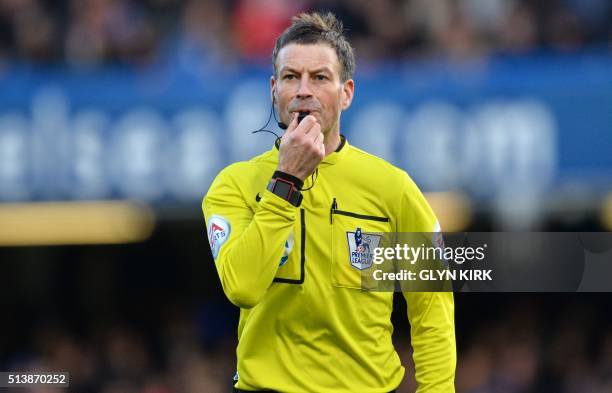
{"type": "Point", "coordinates": [115, 116]}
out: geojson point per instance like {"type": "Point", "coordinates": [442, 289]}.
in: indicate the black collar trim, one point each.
{"type": "Point", "coordinates": [342, 143]}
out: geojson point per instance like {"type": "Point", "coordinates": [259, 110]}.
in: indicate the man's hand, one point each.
{"type": "Point", "coordinates": [301, 148]}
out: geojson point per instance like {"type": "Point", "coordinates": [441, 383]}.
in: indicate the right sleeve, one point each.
{"type": "Point", "coordinates": [247, 245]}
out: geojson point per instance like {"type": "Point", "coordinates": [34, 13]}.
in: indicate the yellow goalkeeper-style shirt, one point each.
{"type": "Point", "coordinates": [305, 324]}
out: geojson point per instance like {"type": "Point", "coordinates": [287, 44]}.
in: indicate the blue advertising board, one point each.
{"type": "Point", "coordinates": [532, 125]}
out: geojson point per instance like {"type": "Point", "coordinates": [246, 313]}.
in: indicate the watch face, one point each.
{"type": "Point", "coordinates": [282, 189]}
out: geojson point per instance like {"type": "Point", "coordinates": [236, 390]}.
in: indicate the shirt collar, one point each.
{"type": "Point", "coordinates": [340, 152]}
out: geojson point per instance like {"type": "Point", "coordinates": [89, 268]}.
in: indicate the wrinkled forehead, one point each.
{"type": "Point", "coordinates": [307, 58]}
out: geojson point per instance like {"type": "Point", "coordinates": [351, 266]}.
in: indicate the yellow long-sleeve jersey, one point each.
{"type": "Point", "coordinates": [305, 324]}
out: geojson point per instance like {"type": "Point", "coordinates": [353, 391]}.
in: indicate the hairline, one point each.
{"type": "Point", "coordinates": [319, 42]}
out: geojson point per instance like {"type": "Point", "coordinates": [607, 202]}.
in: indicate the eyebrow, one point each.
{"type": "Point", "coordinates": [324, 69]}
{"type": "Point", "coordinates": [287, 69]}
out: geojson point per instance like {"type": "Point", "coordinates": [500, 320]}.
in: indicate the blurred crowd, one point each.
{"type": "Point", "coordinates": [127, 357]}
{"type": "Point", "coordinates": [94, 32]}
{"type": "Point", "coordinates": [523, 351]}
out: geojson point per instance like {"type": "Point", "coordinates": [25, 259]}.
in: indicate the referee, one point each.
{"type": "Point", "coordinates": [285, 230]}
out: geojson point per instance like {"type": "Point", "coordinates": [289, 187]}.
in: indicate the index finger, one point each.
{"type": "Point", "coordinates": [294, 123]}
{"type": "Point", "coordinates": [307, 124]}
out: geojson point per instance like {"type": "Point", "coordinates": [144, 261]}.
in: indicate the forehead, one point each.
{"type": "Point", "coordinates": [307, 57]}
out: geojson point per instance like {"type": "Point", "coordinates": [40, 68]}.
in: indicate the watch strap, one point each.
{"type": "Point", "coordinates": [283, 175]}
{"type": "Point", "coordinates": [286, 190]}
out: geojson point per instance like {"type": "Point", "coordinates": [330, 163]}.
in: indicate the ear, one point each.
{"type": "Point", "coordinates": [348, 90]}
{"type": "Point", "coordinates": [273, 89]}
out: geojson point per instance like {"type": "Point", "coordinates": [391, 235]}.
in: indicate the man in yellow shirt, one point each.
{"type": "Point", "coordinates": [287, 231]}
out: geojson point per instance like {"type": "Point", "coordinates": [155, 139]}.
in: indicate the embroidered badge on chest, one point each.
{"type": "Point", "coordinates": [361, 247]}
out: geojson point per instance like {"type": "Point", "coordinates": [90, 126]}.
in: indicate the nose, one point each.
{"type": "Point", "coordinates": [304, 88]}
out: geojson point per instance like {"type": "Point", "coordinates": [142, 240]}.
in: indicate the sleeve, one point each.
{"type": "Point", "coordinates": [247, 245]}
{"type": "Point", "coordinates": [431, 314]}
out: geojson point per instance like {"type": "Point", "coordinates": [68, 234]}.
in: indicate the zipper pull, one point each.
{"type": "Point", "coordinates": [334, 206]}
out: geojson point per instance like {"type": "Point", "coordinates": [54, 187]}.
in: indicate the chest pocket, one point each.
{"type": "Point", "coordinates": [291, 267]}
{"type": "Point", "coordinates": [354, 238]}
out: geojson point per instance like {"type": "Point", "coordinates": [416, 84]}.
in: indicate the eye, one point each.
{"type": "Point", "coordinates": [289, 77]}
{"type": "Point", "coordinates": [321, 77]}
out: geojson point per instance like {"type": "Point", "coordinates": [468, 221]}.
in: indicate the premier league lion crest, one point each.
{"type": "Point", "coordinates": [361, 248]}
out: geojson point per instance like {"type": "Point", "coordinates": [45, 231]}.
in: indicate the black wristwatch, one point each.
{"type": "Point", "coordinates": [285, 189]}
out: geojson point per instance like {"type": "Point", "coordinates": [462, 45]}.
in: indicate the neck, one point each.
{"type": "Point", "coordinates": [331, 142]}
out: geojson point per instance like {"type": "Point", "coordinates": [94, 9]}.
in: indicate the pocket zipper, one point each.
{"type": "Point", "coordinates": [334, 210]}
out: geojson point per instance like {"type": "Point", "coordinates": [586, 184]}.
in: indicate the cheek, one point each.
{"type": "Point", "coordinates": [335, 104]}
{"type": "Point", "coordinates": [332, 111]}
{"type": "Point", "coordinates": [283, 100]}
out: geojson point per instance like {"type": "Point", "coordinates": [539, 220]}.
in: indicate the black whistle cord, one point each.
{"type": "Point", "coordinates": [313, 179]}
{"type": "Point", "coordinates": [263, 128]}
